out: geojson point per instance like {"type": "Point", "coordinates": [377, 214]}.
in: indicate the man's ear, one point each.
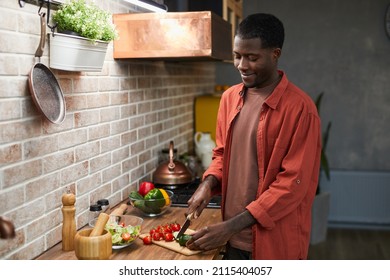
{"type": "Point", "coordinates": [277, 52]}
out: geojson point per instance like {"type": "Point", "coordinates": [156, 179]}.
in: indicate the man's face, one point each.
{"type": "Point", "coordinates": [256, 65]}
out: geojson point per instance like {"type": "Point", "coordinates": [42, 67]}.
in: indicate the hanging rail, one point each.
{"type": "Point", "coordinates": [49, 4]}
{"type": "Point", "coordinates": [53, 3]}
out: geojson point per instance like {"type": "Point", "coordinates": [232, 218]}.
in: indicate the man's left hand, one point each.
{"type": "Point", "coordinates": [209, 237]}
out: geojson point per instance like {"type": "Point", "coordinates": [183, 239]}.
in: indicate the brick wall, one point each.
{"type": "Point", "coordinates": [116, 123]}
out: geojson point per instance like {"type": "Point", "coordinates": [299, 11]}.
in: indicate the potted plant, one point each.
{"type": "Point", "coordinates": [321, 204]}
{"type": "Point", "coordinates": [84, 31]}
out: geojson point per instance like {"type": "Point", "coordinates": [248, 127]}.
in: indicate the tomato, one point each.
{"type": "Point", "coordinates": [126, 236]}
{"type": "Point", "coordinates": [145, 187]}
{"type": "Point", "coordinates": [157, 236]}
{"type": "Point", "coordinates": [167, 229]}
{"type": "Point", "coordinates": [147, 240]}
{"type": "Point", "coordinates": [175, 227]}
{"type": "Point", "coordinates": [159, 228]}
{"type": "Point", "coordinates": [168, 237]}
{"type": "Point", "coordinates": [122, 224]}
{"type": "Point", "coordinates": [163, 232]}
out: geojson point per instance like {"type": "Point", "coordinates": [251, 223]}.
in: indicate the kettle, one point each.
{"type": "Point", "coordinates": [204, 146]}
{"type": "Point", "coordinates": [172, 173]}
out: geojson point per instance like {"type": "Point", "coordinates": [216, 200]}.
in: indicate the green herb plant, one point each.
{"type": "Point", "coordinates": [86, 19]}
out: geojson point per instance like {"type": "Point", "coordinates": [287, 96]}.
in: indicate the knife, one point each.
{"type": "Point", "coordinates": [185, 225]}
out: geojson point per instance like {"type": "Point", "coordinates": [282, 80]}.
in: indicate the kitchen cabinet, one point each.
{"type": "Point", "coordinates": [177, 35]}
{"type": "Point", "coordinates": [139, 251]}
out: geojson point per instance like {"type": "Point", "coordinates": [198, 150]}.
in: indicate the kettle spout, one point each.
{"type": "Point", "coordinates": [7, 228]}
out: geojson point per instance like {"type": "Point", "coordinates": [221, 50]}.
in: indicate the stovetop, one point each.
{"type": "Point", "coordinates": [183, 193]}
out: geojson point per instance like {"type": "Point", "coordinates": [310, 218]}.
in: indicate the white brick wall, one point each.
{"type": "Point", "coordinates": [116, 123]}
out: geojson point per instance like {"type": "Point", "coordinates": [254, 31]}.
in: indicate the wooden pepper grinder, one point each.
{"type": "Point", "coordinates": [69, 222]}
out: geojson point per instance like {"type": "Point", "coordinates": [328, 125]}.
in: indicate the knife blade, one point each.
{"type": "Point", "coordinates": [185, 225]}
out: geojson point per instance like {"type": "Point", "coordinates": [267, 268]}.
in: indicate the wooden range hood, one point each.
{"type": "Point", "coordinates": [173, 36]}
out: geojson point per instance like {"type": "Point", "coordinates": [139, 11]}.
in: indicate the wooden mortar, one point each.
{"type": "Point", "coordinates": [92, 248]}
{"type": "Point", "coordinates": [94, 243]}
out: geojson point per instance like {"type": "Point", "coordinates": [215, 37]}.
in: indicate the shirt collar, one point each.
{"type": "Point", "coordinates": [272, 100]}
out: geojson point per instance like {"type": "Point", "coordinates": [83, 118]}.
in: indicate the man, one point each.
{"type": "Point", "coordinates": [266, 163]}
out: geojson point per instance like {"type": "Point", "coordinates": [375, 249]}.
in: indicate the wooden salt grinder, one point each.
{"type": "Point", "coordinates": [69, 222]}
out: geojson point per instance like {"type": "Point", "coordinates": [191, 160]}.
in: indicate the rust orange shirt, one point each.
{"type": "Point", "coordinates": [288, 151]}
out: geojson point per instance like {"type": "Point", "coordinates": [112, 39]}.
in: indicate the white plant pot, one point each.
{"type": "Point", "coordinates": [73, 53]}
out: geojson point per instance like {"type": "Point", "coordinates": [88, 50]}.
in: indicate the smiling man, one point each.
{"type": "Point", "coordinates": [266, 162]}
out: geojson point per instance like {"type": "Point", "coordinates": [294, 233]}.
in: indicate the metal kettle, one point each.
{"type": "Point", "coordinates": [172, 173]}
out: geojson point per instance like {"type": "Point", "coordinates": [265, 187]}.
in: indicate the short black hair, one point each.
{"type": "Point", "coordinates": [268, 28]}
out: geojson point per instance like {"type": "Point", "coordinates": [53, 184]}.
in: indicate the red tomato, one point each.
{"type": "Point", "coordinates": [175, 227]}
{"type": "Point", "coordinates": [159, 228]}
{"type": "Point", "coordinates": [147, 240]}
{"type": "Point", "coordinates": [126, 236]}
{"type": "Point", "coordinates": [145, 187]}
{"type": "Point", "coordinates": [163, 232]}
{"type": "Point", "coordinates": [167, 229]}
{"type": "Point", "coordinates": [157, 236]}
{"type": "Point", "coordinates": [168, 237]}
{"type": "Point", "coordinates": [122, 224]}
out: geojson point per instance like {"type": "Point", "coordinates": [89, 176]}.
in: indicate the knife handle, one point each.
{"type": "Point", "coordinates": [190, 216]}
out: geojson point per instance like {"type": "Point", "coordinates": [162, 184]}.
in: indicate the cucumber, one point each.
{"type": "Point", "coordinates": [140, 204]}
{"type": "Point", "coordinates": [136, 195]}
{"type": "Point", "coordinates": [183, 239]}
{"type": "Point", "coordinates": [147, 206]}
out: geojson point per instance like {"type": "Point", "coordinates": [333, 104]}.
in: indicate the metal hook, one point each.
{"type": "Point", "coordinates": [48, 18]}
{"type": "Point", "coordinates": [40, 7]}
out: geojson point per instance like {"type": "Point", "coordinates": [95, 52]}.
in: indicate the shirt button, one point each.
{"type": "Point", "coordinates": [298, 181]}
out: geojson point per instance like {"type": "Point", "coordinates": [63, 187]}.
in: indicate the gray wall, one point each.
{"type": "Point", "coordinates": [340, 48]}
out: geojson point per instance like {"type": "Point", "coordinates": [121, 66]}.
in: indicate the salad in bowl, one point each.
{"type": "Point", "coordinates": [124, 229]}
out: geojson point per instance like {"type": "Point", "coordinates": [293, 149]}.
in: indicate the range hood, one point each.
{"type": "Point", "coordinates": [173, 36]}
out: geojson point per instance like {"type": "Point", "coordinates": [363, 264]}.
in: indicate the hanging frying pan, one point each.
{"type": "Point", "coordinates": [44, 87]}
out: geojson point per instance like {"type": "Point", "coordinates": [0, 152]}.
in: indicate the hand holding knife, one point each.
{"type": "Point", "coordinates": [185, 225]}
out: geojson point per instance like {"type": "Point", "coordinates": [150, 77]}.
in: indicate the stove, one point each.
{"type": "Point", "coordinates": [183, 193]}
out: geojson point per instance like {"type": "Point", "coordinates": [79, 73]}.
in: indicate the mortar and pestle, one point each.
{"type": "Point", "coordinates": [94, 243]}
{"type": "Point", "coordinates": [121, 210]}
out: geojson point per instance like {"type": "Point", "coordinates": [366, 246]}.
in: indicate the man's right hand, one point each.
{"type": "Point", "coordinates": [201, 197]}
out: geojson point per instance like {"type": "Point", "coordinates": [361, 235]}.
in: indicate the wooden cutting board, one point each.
{"type": "Point", "coordinates": [174, 246]}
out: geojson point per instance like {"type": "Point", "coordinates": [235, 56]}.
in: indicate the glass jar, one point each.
{"type": "Point", "coordinates": [105, 204]}
{"type": "Point", "coordinates": [94, 212]}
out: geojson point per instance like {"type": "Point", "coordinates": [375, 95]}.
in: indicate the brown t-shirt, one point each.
{"type": "Point", "coordinates": [243, 176]}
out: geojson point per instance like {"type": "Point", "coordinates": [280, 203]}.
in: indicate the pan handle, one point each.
{"type": "Point", "coordinates": [41, 46]}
